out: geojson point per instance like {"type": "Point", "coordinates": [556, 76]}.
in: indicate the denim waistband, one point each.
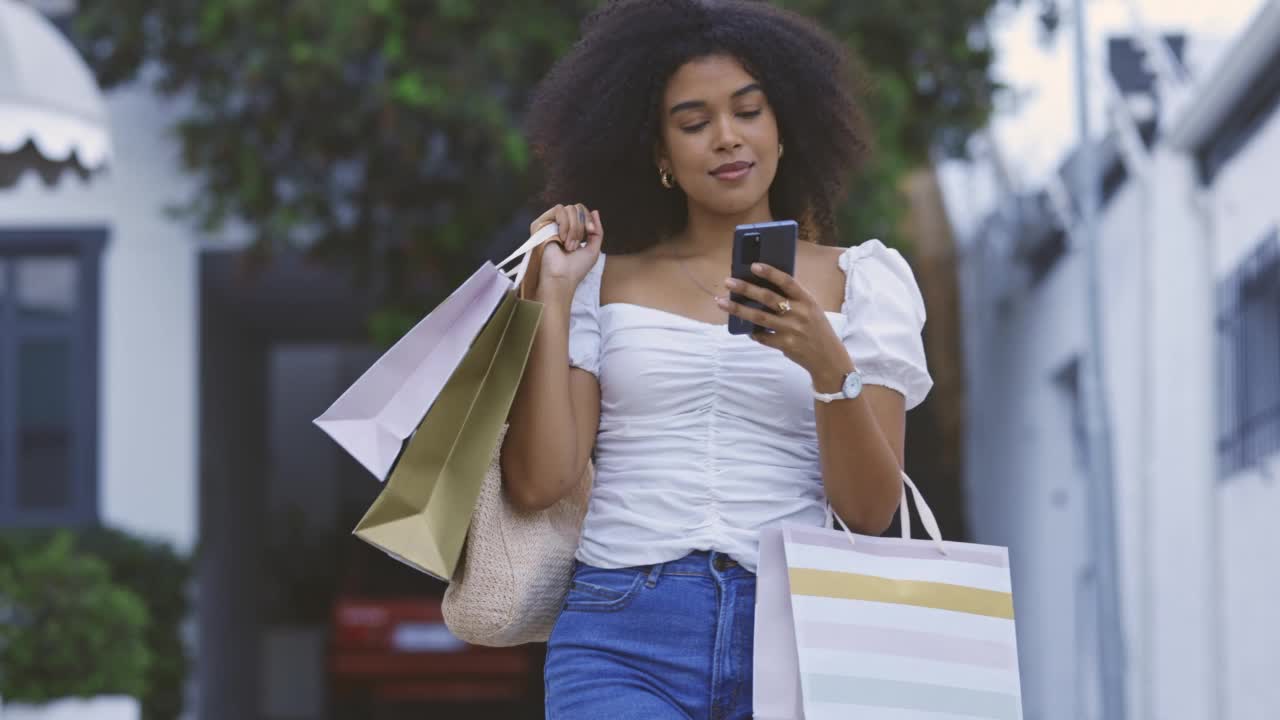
{"type": "Point", "coordinates": [665, 640]}
{"type": "Point", "coordinates": [700, 562]}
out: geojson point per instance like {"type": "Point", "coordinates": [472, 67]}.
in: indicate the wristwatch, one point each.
{"type": "Point", "coordinates": [849, 389]}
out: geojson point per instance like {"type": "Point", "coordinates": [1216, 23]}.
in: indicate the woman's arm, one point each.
{"type": "Point", "coordinates": [861, 443]}
{"type": "Point", "coordinates": [860, 440]}
{"type": "Point", "coordinates": [553, 419]}
{"type": "Point", "coordinates": [556, 412]}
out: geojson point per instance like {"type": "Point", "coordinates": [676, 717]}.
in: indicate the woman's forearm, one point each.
{"type": "Point", "coordinates": [860, 466]}
{"type": "Point", "coordinates": [540, 454]}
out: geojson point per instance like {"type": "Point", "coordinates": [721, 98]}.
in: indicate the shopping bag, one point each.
{"type": "Point", "coordinates": [854, 626]}
{"type": "Point", "coordinates": [374, 417]}
{"type": "Point", "coordinates": [423, 512]}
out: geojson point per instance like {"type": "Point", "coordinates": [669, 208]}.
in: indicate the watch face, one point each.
{"type": "Point", "coordinates": [852, 385]}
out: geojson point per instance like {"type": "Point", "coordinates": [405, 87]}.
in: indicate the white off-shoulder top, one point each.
{"type": "Point", "coordinates": [707, 437]}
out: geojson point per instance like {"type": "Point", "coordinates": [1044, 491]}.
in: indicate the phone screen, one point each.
{"type": "Point", "coordinates": [772, 243]}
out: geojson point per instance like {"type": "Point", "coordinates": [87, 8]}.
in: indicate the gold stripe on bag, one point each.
{"type": "Point", "coordinates": [920, 593]}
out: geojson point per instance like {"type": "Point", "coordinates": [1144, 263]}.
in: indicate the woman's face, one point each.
{"type": "Point", "coordinates": [720, 137]}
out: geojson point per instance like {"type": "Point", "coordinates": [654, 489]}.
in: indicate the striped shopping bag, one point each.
{"type": "Point", "coordinates": [853, 626]}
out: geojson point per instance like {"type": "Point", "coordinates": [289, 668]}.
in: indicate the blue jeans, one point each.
{"type": "Point", "coordinates": [668, 641]}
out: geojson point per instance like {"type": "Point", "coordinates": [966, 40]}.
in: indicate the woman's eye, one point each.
{"type": "Point", "coordinates": [745, 114]}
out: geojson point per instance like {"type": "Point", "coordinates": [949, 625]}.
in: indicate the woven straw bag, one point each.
{"type": "Point", "coordinates": [516, 567]}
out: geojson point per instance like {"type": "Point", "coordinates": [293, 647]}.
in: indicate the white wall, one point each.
{"type": "Point", "coordinates": [148, 379]}
{"type": "Point", "coordinates": [1198, 579]}
{"type": "Point", "coordinates": [1025, 476]}
{"type": "Point", "coordinates": [1128, 311]}
{"type": "Point", "coordinates": [1175, 634]}
{"type": "Point", "coordinates": [1245, 204]}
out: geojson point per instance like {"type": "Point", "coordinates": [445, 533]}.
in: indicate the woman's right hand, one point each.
{"type": "Point", "coordinates": [567, 260]}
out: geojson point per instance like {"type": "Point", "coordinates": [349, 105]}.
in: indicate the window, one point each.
{"type": "Point", "coordinates": [48, 376]}
{"type": "Point", "coordinates": [1046, 253]}
{"type": "Point", "coordinates": [1068, 380]}
{"type": "Point", "coordinates": [1117, 173]}
{"type": "Point", "coordinates": [1041, 239]}
{"type": "Point", "coordinates": [1249, 360]}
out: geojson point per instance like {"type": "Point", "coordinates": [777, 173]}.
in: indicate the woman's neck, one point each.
{"type": "Point", "coordinates": [711, 235]}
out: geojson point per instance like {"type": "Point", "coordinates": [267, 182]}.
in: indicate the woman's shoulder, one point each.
{"type": "Point", "coordinates": [848, 277]}
{"type": "Point", "coordinates": [819, 267]}
{"type": "Point", "coordinates": [630, 274]}
{"type": "Point", "coordinates": [870, 253]}
{"type": "Point", "coordinates": [883, 267]}
{"type": "Point", "coordinates": [586, 297]}
{"type": "Point", "coordinates": [640, 258]}
{"type": "Point", "coordinates": [866, 261]}
{"type": "Point", "coordinates": [826, 254]}
{"type": "Point", "coordinates": [878, 275]}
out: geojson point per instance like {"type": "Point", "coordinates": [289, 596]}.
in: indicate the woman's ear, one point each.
{"type": "Point", "coordinates": [661, 157]}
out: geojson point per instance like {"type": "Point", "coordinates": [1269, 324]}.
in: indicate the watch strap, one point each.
{"type": "Point", "coordinates": [841, 395]}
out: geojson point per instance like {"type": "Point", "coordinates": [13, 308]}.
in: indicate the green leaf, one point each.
{"type": "Point", "coordinates": [387, 325]}
{"type": "Point", "coordinates": [212, 15]}
{"type": "Point", "coordinates": [68, 630]}
{"type": "Point", "coordinates": [403, 113]}
{"type": "Point", "coordinates": [456, 9]}
{"type": "Point", "coordinates": [412, 90]}
{"type": "Point", "coordinates": [393, 48]}
{"type": "Point", "coordinates": [300, 52]}
{"type": "Point", "coordinates": [516, 149]}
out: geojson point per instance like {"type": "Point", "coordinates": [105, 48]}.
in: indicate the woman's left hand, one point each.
{"type": "Point", "coordinates": [802, 332]}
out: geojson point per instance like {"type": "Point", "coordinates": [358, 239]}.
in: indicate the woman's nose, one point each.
{"type": "Point", "coordinates": [727, 136]}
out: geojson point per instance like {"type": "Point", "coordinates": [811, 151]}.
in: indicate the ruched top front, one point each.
{"type": "Point", "coordinates": [707, 437]}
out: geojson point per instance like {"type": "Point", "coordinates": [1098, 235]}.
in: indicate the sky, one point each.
{"type": "Point", "coordinates": [1039, 126]}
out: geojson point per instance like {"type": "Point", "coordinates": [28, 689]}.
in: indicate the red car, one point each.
{"type": "Point", "coordinates": [389, 645]}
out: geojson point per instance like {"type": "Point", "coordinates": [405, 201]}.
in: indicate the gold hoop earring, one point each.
{"type": "Point", "coordinates": [665, 178]}
{"type": "Point", "coordinates": [779, 151]}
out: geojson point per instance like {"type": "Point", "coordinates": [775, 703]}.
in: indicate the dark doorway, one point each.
{"type": "Point", "coordinates": [278, 570]}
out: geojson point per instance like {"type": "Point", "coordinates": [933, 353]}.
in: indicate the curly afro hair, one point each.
{"type": "Point", "coordinates": [595, 119]}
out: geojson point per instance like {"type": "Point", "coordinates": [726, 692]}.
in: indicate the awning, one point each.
{"type": "Point", "coordinates": [51, 110]}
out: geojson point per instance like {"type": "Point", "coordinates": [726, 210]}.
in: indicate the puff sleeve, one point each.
{"type": "Point", "coordinates": [584, 321]}
{"type": "Point", "coordinates": [886, 315]}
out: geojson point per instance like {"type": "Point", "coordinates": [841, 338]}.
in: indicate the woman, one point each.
{"type": "Point", "coordinates": [673, 121]}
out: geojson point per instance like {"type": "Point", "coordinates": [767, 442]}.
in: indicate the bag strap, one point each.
{"type": "Point", "coordinates": [904, 513]}
{"type": "Point", "coordinates": [530, 256]}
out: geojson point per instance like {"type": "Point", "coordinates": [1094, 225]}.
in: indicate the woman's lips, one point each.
{"type": "Point", "coordinates": [734, 174]}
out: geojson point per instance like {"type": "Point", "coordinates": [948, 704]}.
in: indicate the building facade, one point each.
{"type": "Point", "coordinates": [1190, 293]}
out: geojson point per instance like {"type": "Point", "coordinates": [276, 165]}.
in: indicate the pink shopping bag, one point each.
{"type": "Point", "coordinates": [853, 626]}
{"type": "Point", "coordinates": [374, 418]}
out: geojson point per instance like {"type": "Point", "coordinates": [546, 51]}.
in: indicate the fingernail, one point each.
{"type": "Point", "coordinates": [722, 302]}
{"type": "Point", "coordinates": [730, 282]}
{"type": "Point", "coordinates": [757, 267]}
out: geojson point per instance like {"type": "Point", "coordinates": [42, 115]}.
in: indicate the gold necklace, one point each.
{"type": "Point", "coordinates": [701, 287]}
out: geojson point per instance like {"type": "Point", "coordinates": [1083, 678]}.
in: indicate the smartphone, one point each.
{"type": "Point", "coordinates": [771, 243]}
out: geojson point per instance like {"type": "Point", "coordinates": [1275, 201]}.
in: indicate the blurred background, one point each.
{"type": "Point", "coordinates": [214, 214]}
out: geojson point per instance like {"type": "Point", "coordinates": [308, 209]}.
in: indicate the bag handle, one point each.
{"type": "Point", "coordinates": [528, 254]}
{"type": "Point", "coordinates": [904, 512]}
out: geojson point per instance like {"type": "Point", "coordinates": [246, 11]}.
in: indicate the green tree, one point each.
{"type": "Point", "coordinates": [385, 134]}
{"type": "Point", "coordinates": [66, 629]}
{"type": "Point", "coordinates": [929, 87]}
